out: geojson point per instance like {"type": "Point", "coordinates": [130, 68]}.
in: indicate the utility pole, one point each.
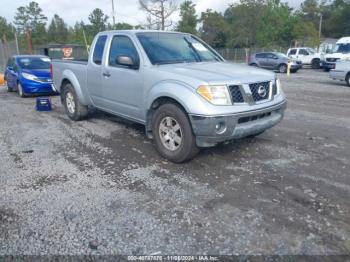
{"type": "Point", "coordinates": [113, 13]}
{"type": "Point", "coordinates": [16, 41]}
{"type": "Point", "coordinates": [320, 26]}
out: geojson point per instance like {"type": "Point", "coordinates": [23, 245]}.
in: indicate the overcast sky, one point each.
{"type": "Point", "coordinates": [126, 10]}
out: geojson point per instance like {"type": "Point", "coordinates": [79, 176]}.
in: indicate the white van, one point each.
{"type": "Point", "coordinates": [340, 53]}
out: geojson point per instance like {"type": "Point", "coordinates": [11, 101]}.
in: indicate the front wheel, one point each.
{"type": "Point", "coordinates": [173, 135]}
{"type": "Point", "coordinates": [74, 109]}
{"type": "Point", "coordinates": [315, 64]}
{"type": "Point", "coordinates": [20, 90]}
{"type": "Point", "coordinates": [347, 79]}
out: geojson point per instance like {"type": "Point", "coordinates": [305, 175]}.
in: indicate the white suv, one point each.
{"type": "Point", "coordinates": [306, 55]}
{"type": "Point", "coordinates": [340, 53]}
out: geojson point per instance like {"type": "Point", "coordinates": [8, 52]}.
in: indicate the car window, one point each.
{"type": "Point", "coordinates": [303, 52]}
{"type": "Point", "coordinates": [98, 50]}
{"type": "Point", "coordinates": [261, 55]}
{"type": "Point", "coordinates": [33, 63]}
{"type": "Point", "coordinates": [292, 52]}
{"type": "Point", "coordinates": [271, 56]}
{"type": "Point", "coordinates": [122, 46]}
{"type": "Point", "coordinates": [10, 62]}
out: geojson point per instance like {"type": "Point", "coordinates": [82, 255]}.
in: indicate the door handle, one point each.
{"type": "Point", "coordinates": [106, 74]}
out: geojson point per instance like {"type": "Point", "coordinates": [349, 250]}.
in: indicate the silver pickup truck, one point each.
{"type": "Point", "coordinates": [182, 90]}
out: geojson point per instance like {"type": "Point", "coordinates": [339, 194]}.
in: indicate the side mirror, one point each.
{"type": "Point", "coordinates": [126, 61]}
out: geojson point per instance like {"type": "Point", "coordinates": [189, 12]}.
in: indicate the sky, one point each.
{"type": "Point", "coordinates": [126, 10]}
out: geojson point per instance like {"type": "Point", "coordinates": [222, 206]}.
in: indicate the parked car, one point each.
{"type": "Point", "coordinates": [341, 72]}
{"type": "Point", "coordinates": [181, 89]}
{"type": "Point", "coordinates": [275, 61]}
{"type": "Point", "coordinates": [340, 53]}
{"type": "Point", "coordinates": [307, 56]}
{"type": "Point", "coordinates": [29, 74]}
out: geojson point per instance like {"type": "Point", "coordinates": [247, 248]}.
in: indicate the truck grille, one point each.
{"type": "Point", "coordinates": [236, 94]}
{"type": "Point", "coordinates": [260, 91]}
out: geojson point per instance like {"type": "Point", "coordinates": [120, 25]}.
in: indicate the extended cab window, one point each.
{"type": "Point", "coordinates": [292, 52]}
{"type": "Point", "coordinates": [122, 46]}
{"type": "Point", "coordinates": [98, 51]}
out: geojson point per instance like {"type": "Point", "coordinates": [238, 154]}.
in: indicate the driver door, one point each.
{"type": "Point", "coordinates": [123, 85]}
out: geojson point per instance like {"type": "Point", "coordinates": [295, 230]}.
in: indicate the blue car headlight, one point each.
{"type": "Point", "coordinates": [30, 77]}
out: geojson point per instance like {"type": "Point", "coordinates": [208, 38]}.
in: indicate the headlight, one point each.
{"type": "Point", "coordinates": [277, 87]}
{"type": "Point", "coordinates": [30, 77]}
{"type": "Point", "coordinates": [217, 95]}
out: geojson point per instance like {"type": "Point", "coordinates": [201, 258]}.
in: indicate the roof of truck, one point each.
{"type": "Point", "coordinates": [135, 31]}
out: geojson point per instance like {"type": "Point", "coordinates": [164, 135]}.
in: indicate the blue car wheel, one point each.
{"type": "Point", "coordinates": [20, 90]}
{"type": "Point", "coordinates": [8, 89]}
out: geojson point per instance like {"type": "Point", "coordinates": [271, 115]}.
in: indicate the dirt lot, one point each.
{"type": "Point", "coordinates": [99, 187]}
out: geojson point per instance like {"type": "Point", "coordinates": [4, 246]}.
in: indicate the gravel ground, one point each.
{"type": "Point", "coordinates": [99, 187]}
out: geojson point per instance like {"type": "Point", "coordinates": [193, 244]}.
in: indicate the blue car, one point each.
{"type": "Point", "coordinates": [29, 75]}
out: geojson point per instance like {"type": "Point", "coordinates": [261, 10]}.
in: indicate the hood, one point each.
{"type": "Point", "coordinates": [219, 72]}
{"type": "Point", "coordinates": [40, 73]}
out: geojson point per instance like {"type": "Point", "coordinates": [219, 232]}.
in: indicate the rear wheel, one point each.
{"type": "Point", "coordinates": [173, 135]}
{"type": "Point", "coordinates": [254, 65]}
{"type": "Point", "coordinates": [282, 68]}
{"type": "Point", "coordinates": [347, 79]}
{"type": "Point", "coordinates": [8, 89]}
{"type": "Point", "coordinates": [74, 109]}
{"type": "Point", "coordinates": [20, 90]}
{"type": "Point", "coordinates": [315, 64]}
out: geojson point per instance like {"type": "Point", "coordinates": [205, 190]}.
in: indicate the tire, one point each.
{"type": "Point", "coordinates": [315, 64]}
{"type": "Point", "coordinates": [74, 109]}
{"type": "Point", "coordinates": [326, 69]}
{"type": "Point", "coordinates": [8, 89]}
{"type": "Point", "coordinates": [282, 68]}
{"type": "Point", "coordinates": [20, 91]}
{"type": "Point", "coordinates": [173, 134]}
{"type": "Point", "coordinates": [347, 79]}
{"type": "Point", "coordinates": [254, 65]}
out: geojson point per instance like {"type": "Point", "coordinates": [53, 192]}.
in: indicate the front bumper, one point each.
{"type": "Point", "coordinates": [211, 130]}
{"type": "Point", "coordinates": [31, 87]}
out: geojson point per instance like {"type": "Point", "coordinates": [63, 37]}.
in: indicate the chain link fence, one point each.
{"type": "Point", "coordinates": [240, 55]}
{"type": "Point", "coordinates": [7, 49]}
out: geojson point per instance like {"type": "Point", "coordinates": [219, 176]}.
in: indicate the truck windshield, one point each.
{"type": "Point", "coordinates": [170, 48]}
{"type": "Point", "coordinates": [342, 48]}
{"type": "Point", "coordinates": [33, 63]}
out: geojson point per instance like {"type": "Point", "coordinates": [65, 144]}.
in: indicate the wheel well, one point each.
{"type": "Point", "coordinates": [156, 104]}
{"type": "Point", "coordinates": [347, 76]}
{"type": "Point", "coordinates": [64, 82]}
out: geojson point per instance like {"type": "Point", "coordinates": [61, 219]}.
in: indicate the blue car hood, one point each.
{"type": "Point", "coordinates": [40, 73]}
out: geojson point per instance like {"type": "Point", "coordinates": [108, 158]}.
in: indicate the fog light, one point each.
{"type": "Point", "coordinates": [220, 128]}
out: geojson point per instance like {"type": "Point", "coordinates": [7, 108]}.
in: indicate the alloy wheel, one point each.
{"type": "Point", "coordinates": [170, 133]}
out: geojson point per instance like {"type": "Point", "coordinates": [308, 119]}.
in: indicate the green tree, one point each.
{"type": "Point", "coordinates": [188, 22]}
{"type": "Point", "coordinates": [214, 29]}
{"type": "Point", "coordinates": [57, 31]}
{"type": "Point", "coordinates": [31, 19]}
{"type": "Point", "coordinates": [6, 29]}
{"type": "Point", "coordinates": [98, 21]}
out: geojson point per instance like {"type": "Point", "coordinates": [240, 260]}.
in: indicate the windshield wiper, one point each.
{"type": "Point", "coordinates": [172, 62]}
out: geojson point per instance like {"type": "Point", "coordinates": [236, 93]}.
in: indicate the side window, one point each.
{"type": "Point", "coordinates": [262, 55]}
{"type": "Point", "coordinates": [292, 52]}
{"type": "Point", "coordinates": [10, 62]}
{"type": "Point", "coordinates": [122, 46]}
{"type": "Point", "coordinates": [303, 52]}
{"type": "Point", "coordinates": [98, 50]}
{"type": "Point", "coordinates": [271, 56]}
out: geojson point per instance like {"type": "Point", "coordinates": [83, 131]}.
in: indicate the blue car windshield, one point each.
{"type": "Point", "coordinates": [33, 63]}
{"type": "Point", "coordinates": [170, 48]}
